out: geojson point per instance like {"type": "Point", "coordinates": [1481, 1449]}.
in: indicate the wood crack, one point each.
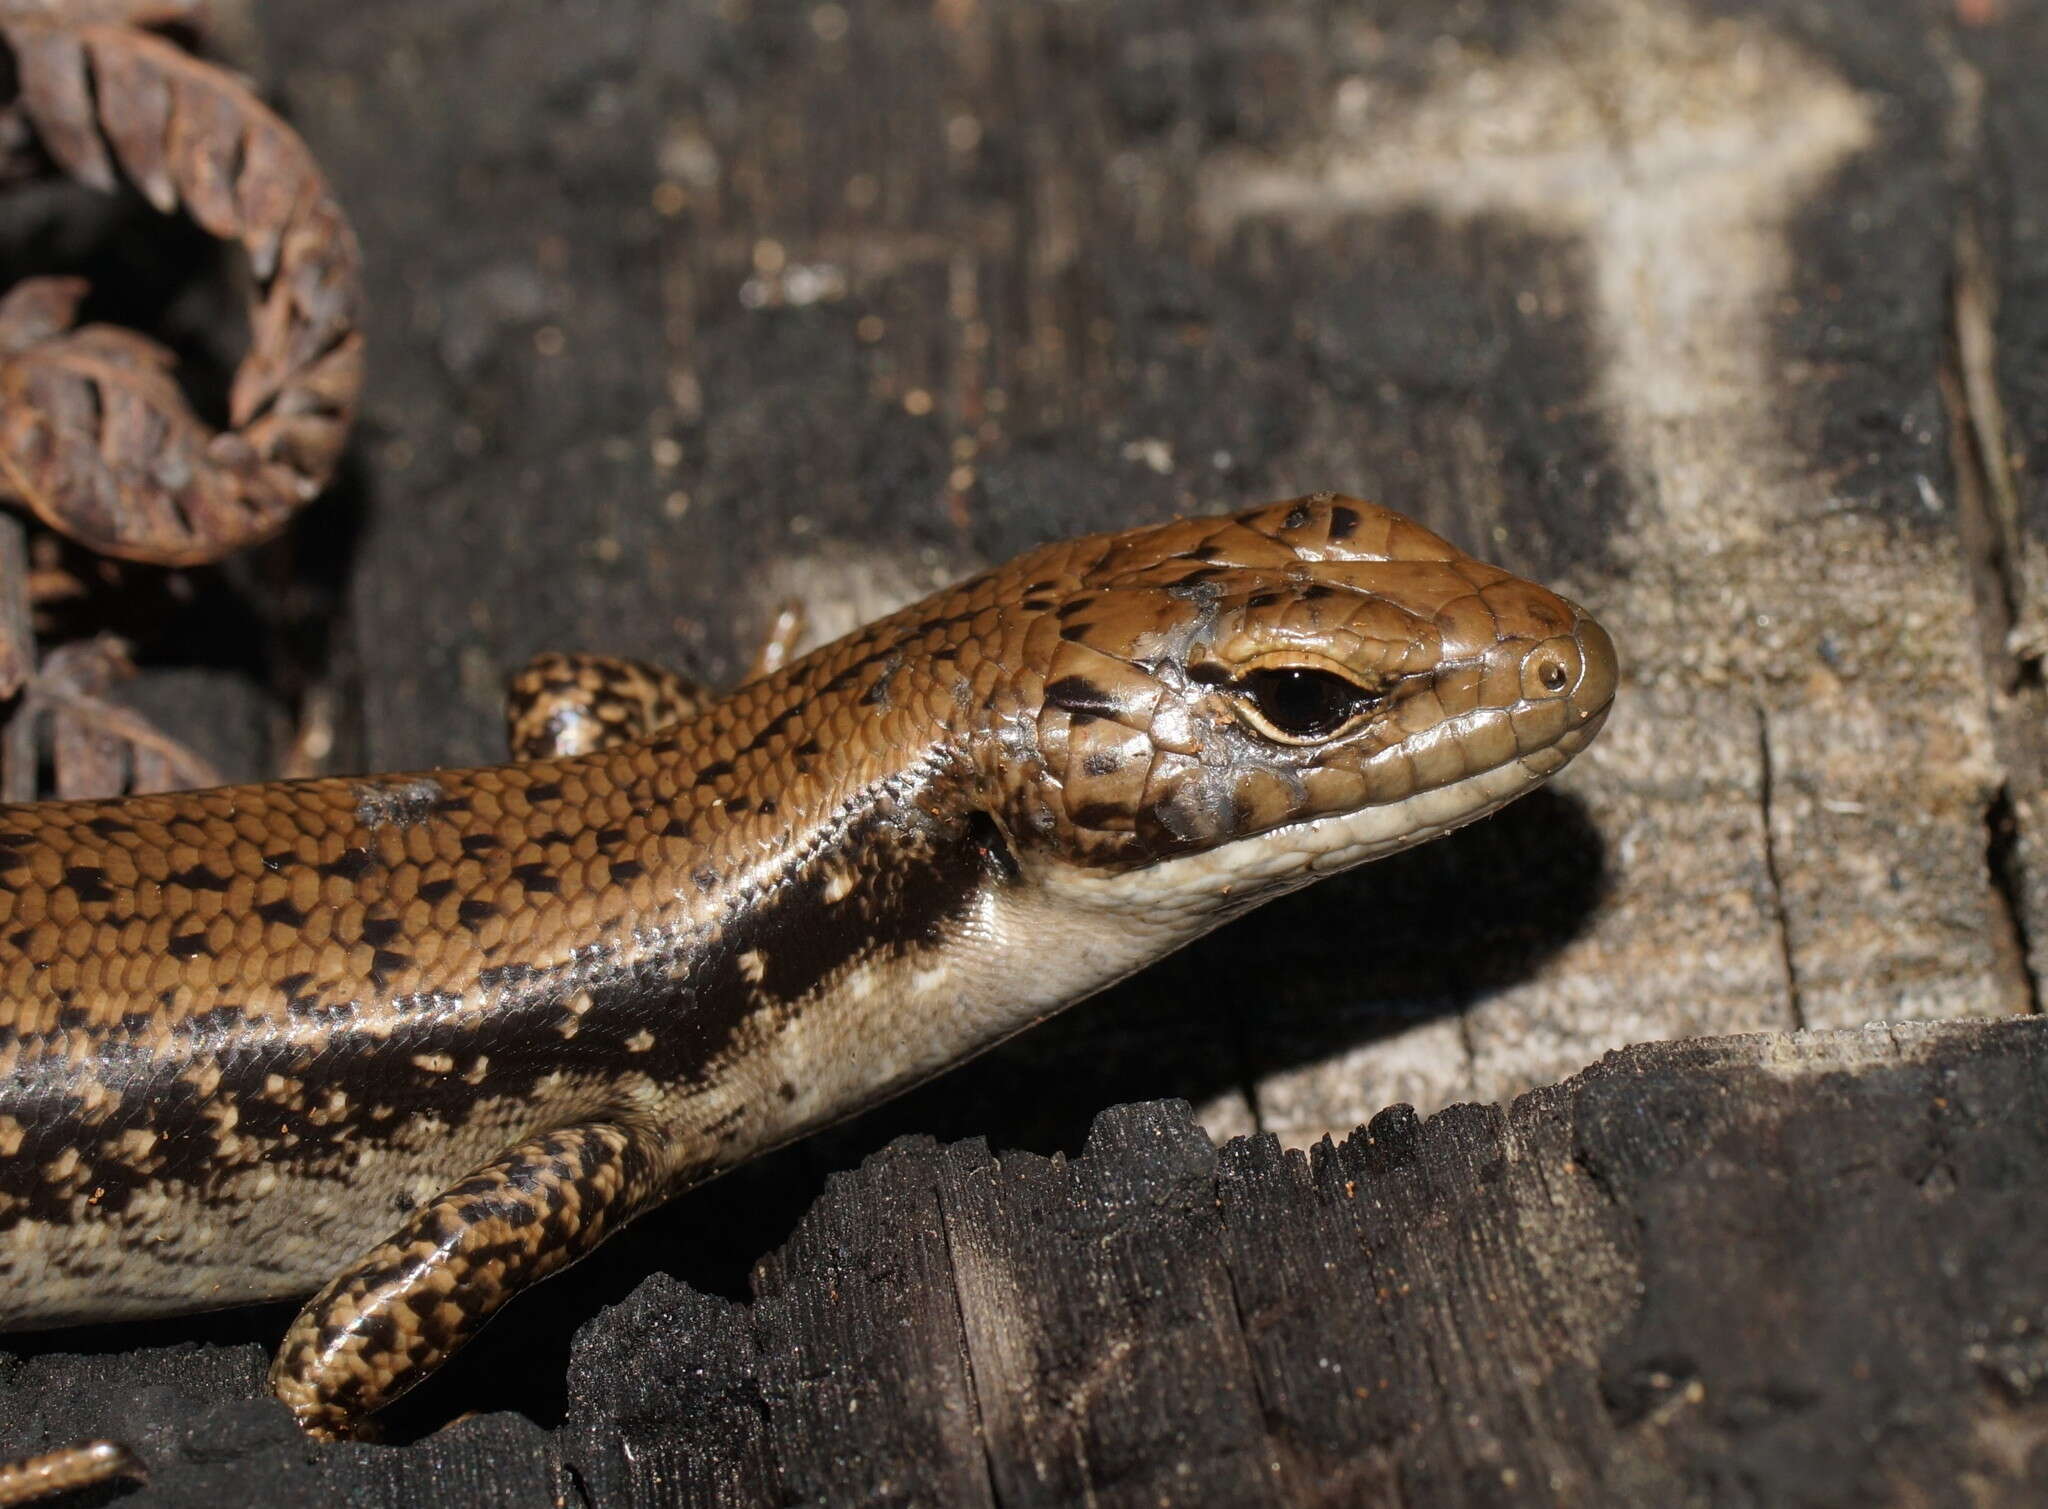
{"type": "Point", "coordinates": [1780, 913]}
{"type": "Point", "coordinates": [1989, 535]}
{"type": "Point", "coordinates": [972, 1383]}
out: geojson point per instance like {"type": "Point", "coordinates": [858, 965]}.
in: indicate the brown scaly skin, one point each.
{"type": "Point", "coordinates": [468, 1023]}
{"type": "Point", "coordinates": [67, 1470]}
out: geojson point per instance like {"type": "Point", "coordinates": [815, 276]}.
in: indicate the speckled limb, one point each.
{"type": "Point", "coordinates": [560, 706]}
{"type": "Point", "coordinates": [410, 1303]}
{"type": "Point", "coordinates": [67, 1470]}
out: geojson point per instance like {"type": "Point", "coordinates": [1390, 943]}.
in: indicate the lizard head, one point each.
{"type": "Point", "coordinates": [982, 808]}
{"type": "Point", "coordinates": [1220, 709]}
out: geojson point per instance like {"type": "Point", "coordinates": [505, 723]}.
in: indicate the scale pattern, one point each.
{"type": "Point", "coordinates": [417, 1041]}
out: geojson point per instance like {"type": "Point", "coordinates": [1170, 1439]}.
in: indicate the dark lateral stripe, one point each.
{"type": "Point", "coordinates": [678, 1019]}
{"type": "Point", "coordinates": [1077, 694]}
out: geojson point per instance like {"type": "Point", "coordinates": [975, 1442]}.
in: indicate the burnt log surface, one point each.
{"type": "Point", "coordinates": [1775, 1268]}
{"type": "Point", "coordinates": [1729, 317]}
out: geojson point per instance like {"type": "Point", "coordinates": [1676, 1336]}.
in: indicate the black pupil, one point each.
{"type": "Point", "coordinates": [1304, 703]}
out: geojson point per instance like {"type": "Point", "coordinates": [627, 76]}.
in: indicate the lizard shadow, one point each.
{"type": "Point", "coordinates": [1332, 969]}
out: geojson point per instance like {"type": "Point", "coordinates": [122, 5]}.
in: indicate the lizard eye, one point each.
{"type": "Point", "coordinates": [1296, 704]}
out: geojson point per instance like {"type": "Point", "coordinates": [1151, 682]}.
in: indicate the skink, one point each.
{"type": "Point", "coordinates": [417, 1042]}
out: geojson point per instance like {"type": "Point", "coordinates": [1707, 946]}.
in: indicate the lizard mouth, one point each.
{"type": "Point", "coordinates": [1195, 892]}
{"type": "Point", "coordinates": [1338, 842]}
{"type": "Point", "coordinates": [1325, 844]}
{"type": "Point", "coordinates": [1295, 853]}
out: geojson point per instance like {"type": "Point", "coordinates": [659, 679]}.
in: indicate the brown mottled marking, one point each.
{"type": "Point", "coordinates": [562, 705]}
{"type": "Point", "coordinates": [245, 1031]}
{"type": "Point", "coordinates": [403, 1308]}
{"type": "Point", "coordinates": [68, 1470]}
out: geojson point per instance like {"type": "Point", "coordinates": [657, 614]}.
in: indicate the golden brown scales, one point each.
{"type": "Point", "coordinates": [467, 1023]}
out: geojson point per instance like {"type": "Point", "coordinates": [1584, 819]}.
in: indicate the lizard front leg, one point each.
{"type": "Point", "coordinates": [411, 1302]}
{"type": "Point", "coordinates": [564, 704]}
{"type": "Point", "coordinates": [561, 705]}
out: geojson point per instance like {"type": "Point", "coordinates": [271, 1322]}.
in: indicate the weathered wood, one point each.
{"type": "Point", "coordinates": [2000, 365]}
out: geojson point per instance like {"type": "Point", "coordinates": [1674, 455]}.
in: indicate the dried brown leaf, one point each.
{"type": "Point", "coordinates": [86, 760]}
{"type": "Point", "coordinates": [135, 103]}
{"type": "Point", "coordinates": [17, 636]}
{"type": "Point", "coordinates": [95, 436]}
{"type": "Point", "coordinates": [98, 440]}
{"type": "Point", "coordinates": [57, 99]}
{"type": "Point", "coordinates": [98, 747]}
{"type": "Point", "coordinates": [103, 12]}
{"type": "Point", "coordinates": [35, 309]}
